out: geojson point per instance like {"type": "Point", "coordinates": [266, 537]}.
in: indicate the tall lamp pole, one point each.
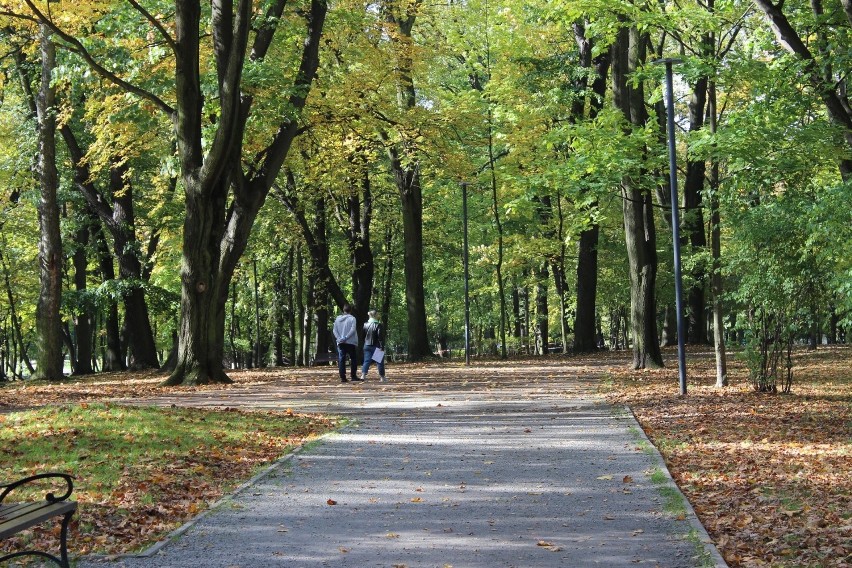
{"type": "Point", "coordinates": [681, 353]}
{"type": "Point", "coordinates": [466, 278]}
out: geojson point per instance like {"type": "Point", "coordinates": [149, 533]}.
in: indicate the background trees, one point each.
{"type": "Point", "coordinates": [361, 120]}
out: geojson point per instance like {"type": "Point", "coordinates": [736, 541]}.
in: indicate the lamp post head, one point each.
{"type": "Point", "coordinates": [667, 61]}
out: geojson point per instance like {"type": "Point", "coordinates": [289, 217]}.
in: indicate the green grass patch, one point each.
{"type": "Point", "coordinates": [702, 556]}
{"type": "Point", "coordinates": [145, 470]}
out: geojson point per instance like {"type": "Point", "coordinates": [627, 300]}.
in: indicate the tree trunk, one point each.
{"type": "Point", "coordinates": [387, 287]}
{"type": "Point", "coordinates": [119, 219]}
{"type": "Point", "coordinates": [408, 182]}
{"type": "Point", "coordinates": [258, 349]}
{"type": "Point", "coordinates": [560, 282]}
{"type": "Point", "coordinates": [48, 319]}
{"type": "Point", "coordinates": [232, 332]}
{"type": "Point", "coordinates": [669, 336]}
{"type": "Point", "coordinates": [112, 359]}
{"type": "Point", "coordinates": [542, 329]}
{"type": "Point", "coordinates": [716, 285]}
{"type": "Point", "coordinates": [516, 312]}
{"type": "Point", "coordinates": [204, 291]}
{"type": "Point", "coordinates": [499, 226]}
{"type": "Point", "coordinates": [639, 230]}
{"type": "Point", "coordinates": [585, 337]}
{"type": "Point", "coordinates": [304, 292]}
{"type": "Point", "coordinates": [283, 297]}
{"type": "Point", "coordinates": [693, 219]}
{"type": "Point", "coordinates": [314, 235]}
{"type": "Point", "coordinates": [360, 251]}
{"type": "Point", "coordinates": [293, 305]}
{"type": "Point", "coordinates": [169, 364]}
{"type": "Point", "coordinates": [17, 337]}
{"type": "Point", "coordinates": [405, 166]}
{"type": "Point", "coordinates": [527, 315]}
{"type": "Point", "coordinates": [83, 316]}
{"type": "Point", "coordinates": [833, 321]}
{"type": "Point", "coordinates": [141, 342]}
{"type": "Point", "coordinates": [319, 299]}
{"type": "Point", "coordinates": [218, 223]}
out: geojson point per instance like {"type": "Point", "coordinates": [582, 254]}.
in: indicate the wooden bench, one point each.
{"type": "Point", "coordinates": [19, 516]}
{"type": "Point", "coordinates": [324, 359]}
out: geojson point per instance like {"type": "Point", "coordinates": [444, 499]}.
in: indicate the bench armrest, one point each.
{"type": "Point", "coordinates": [50, 497]}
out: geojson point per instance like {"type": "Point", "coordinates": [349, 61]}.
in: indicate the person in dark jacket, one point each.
{"type": "Point", "coordinates": [374, 338]}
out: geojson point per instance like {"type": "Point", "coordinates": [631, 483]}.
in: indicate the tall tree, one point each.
{"type": "Point", "coordinates": [222, 199]}
{"type": "Point", "coordinates": [48, 319]}
{"type": "Point", "coordinates": [629, 52]}
{"type": "Point", "coordinates": [115, 210]}
{"type": "Point", "coordinates": [323, 285]}
{"type": "Point", "coordinates": [405, 165]}
{"type": "Point", "coordinates": [829, 81]}
{"type": "Point", "coordinates": [588, 105]}
{"type": "Point", "coordinates": [83, 314]}
{"type": "Point", "coordinates": [355, 216]}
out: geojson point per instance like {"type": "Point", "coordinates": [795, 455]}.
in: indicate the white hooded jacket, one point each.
{"type": "Point", "coordinates": [344, 329]}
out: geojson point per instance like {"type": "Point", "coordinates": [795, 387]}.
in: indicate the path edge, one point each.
{"type": "Point", "coordinates": [704, 537]}
{"type": "Point", "coordinates": [181, 530]}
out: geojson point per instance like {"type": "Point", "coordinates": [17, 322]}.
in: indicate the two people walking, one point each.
{"type": "Point", "coordinates": [346, 334]}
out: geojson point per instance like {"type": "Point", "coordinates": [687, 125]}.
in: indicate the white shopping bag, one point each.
{"type": "Point", "coordinates": [378, 355]}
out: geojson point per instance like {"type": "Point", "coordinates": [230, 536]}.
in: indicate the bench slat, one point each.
{"type": "Point", "coordinates": [16, 517]}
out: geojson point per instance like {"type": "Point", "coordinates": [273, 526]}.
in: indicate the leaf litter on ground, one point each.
{"type": "Point", "coordinates": [141, 472]}
{"type": "Point", "coordinates": [768, 475]}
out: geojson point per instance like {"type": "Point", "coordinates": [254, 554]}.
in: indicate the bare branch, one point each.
{"type": "Point", "coordinates": [156, 23]}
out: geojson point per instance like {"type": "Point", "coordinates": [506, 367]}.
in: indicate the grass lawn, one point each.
{"type": "Point", "coordinates": [140, 472]}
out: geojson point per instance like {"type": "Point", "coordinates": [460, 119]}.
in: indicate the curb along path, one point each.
{"type": "Point", "coordinates": [461, 473]}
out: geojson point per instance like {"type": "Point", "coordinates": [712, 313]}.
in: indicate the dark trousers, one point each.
{"type": "Point", "coordinates": [344, 350]}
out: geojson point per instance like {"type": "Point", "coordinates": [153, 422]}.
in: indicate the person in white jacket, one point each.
{"type": "Point", "coordinates": [346, 333]}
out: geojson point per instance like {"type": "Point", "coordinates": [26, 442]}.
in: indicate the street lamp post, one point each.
{"type": "Point", "coordinates": [466, 278]}
{"type": "Point", "coordinates": [681, 354]}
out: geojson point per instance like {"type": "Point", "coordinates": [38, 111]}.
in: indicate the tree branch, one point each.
{"type": "Point", "coordinates": [280, 145]}
{"type": "Point", "coordinates": [156, 23]}
{"type": "Point", "coordinates": [77, 47]}
{"type": "Point", "coordinates": [263, 37]}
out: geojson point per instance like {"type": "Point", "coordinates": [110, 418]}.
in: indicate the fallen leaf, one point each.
{"type": "Point", "coordinates": [548, 545]}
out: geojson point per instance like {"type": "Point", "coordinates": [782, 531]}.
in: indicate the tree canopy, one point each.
{"type": "Point", "coordinates": [229, 174]}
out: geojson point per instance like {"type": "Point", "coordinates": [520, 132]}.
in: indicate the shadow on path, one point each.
{"type": "Point", "coordinates": [496, 466]}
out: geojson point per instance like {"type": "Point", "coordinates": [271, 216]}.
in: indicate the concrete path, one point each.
{"type": "Point", "coordinates": [469, 470]}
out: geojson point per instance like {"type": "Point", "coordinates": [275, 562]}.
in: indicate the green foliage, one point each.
{"type": "Point", "coordinates": [491, 76]}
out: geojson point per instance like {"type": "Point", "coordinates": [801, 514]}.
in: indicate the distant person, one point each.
{"type": "Point", "coordinates": [345, 333]}
{"type": "Point", "coordinates": [374, 338]}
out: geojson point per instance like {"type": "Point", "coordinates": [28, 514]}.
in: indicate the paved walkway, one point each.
{"type": "Point", "coordinates": [469, 470]}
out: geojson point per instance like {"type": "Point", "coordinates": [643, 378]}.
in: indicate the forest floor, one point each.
{"type": "Point", "coordinates": [770, 476]}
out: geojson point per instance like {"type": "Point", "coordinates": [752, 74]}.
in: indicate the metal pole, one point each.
{"type": "Point", "coordinates": [466, 277]}
{"type": "Point", "coordinates": [681, 354]}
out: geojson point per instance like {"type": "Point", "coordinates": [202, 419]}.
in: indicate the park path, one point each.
{"type": "Point", "coordinates": [484, 467]}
